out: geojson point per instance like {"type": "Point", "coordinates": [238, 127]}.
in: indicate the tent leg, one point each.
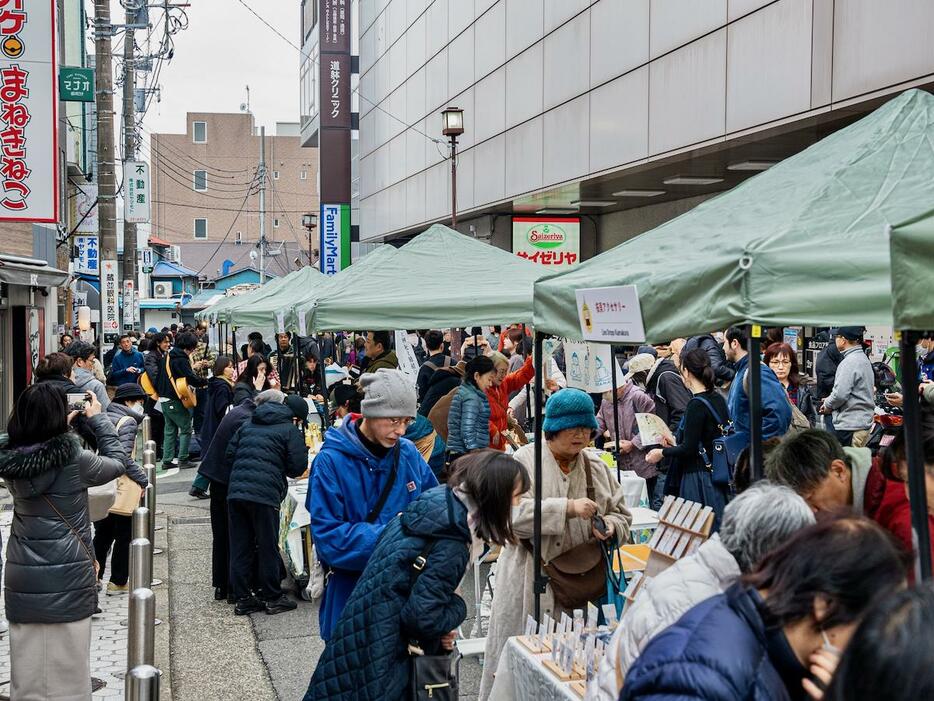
{"type": "Point", "coordinates": [913, 451]}
{"type": "Point", "coordinates": [615, 450]}
{"type": "Point", "coordinates": [539, 581]}
{"type": "Point", "coordinates": [236, 354]}
{"type": "Point", "coordinates": [297, 366]}
{"type": "Point", "coordinates": [756, 459]}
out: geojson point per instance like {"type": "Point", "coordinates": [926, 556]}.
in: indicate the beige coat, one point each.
{"type": "Point", "coordinates": [513, 596]}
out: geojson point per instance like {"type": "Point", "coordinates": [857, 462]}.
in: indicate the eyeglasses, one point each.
{"type": "Point", "coordinates": [396, 423]}
{"type": "Point", "coordinates": [780, 361]}
{"type": "Point", "coordinates": [580, 430]}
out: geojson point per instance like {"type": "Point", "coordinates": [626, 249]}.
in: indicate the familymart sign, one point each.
{"type": "Point", "coordinates": [547, 240]}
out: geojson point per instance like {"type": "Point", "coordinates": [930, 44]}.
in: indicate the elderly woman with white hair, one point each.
{"type": "Point", "coordinates": [754, 523]}
{"type": "Point", "coordinates": [504, 384]}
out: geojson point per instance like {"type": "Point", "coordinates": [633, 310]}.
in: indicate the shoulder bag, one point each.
{"type": "Point", "coordinates": [127, 492]}
{"type": "Point", "coordinates": [578, 575]}
{"type": "Point", "coordinates": [726, 448]}
{"type": "Point", "coordinates": [431, 676]}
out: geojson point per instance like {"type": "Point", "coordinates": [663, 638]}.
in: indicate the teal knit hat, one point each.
{"type": "Point", "coordinates": [569, 408]}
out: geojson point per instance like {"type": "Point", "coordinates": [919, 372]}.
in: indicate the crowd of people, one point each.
{"type": "Point", "coordinates": [418, 476]}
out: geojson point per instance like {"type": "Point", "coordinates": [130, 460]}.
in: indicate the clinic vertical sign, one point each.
{"type": "Point", "coordinates": [334, 28]}
{"type": "Point", "coordinates": [110, 319]}
{"type": "Point", "coordinates": [335, 238]}
{"type": "Point", "coordinates": [29, 178]}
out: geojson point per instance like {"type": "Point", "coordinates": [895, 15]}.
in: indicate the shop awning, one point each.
{"type": "Point", "coordinates": [439, 279]}
{"type": "Point", "coordinates": [801, 243]}
{"type": "Point", "coordinates": [29, 271]}
{"type": "Point", "coordinates": [912, 255]}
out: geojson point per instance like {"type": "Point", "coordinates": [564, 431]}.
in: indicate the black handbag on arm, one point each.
{"type": "Point", "coordinates": [431, 676]}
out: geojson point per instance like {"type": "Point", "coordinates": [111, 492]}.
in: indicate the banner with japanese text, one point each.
{"type": "Point", "coordinates": [29, 178]}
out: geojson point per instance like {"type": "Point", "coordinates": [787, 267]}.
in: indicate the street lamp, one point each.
{"type": "Point", "coordinates": [452, 126]}
{"type": "Point", "coordinates": [310, 222]}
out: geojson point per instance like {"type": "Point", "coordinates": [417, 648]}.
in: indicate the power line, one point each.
{"type": "Point", "coordinates": [229, 229]}
{"type": "Point", "coordinates": [222, 209]}
{"type": "Point", "coordinates": [182, 154]}
{"type": "Point", "coordinates": [355, 90]}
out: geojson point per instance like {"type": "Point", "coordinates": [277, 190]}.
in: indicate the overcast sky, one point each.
{"type": "Point", "coordinates": [224, 49]}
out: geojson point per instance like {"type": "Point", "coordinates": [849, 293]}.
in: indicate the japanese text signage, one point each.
{"type": "Point", "coordinates": [335, 238]}
{"type": "Point", "coordinates": [610, 314]}
{"type": "Point", "coordinates": [76, 84]}
{"type": "Point", "coordinates": [333, 100]}
{"type": "Point", "coordinates": [335, 81]}
{"type": "Point", "coordinates": [136, 185]}
{"type": "Point", "coordinates": [110, 320]}
{"type": "Point", "coordinates": [334, 25]}
{"type": "Point", "coordinates": [128, 290]}
{"type": "Point", "coordinates": [84, 209]}
{"type": "Point", "coordinates": [87, 253]}
{"type": "Point", "coordinates": [29, 181]}
{"type": "Point", "coordinates": [546, 240]}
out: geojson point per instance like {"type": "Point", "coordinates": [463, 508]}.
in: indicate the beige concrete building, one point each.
{"type": "Point", "coordinates": [205, 185]}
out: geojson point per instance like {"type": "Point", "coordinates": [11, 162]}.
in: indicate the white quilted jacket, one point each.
{"type": "Point", "coordinates": [660, 603]}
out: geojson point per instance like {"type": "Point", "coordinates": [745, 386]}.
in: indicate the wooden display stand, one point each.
{"type": "Point", "coordinates": [579, 688]}
{"type": "Point", "coordinates": [553, 667]}
{"type": "Point", "coordinates": [683, 526]}
{"type": "Point", "coordinates": [533, 645]}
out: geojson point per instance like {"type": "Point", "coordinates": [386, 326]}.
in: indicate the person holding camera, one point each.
{"type": "Point", "coordinates": [582, 508]}
{"type": "Point", "coordinates": [50, 579]}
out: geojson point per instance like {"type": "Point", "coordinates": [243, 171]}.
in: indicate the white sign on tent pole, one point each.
{"type": "Point", "coordinates": [588, 367]}
{"type": "Point", "coordinates": [406, 355]}
{"type": "Point", "coordinates": [610, 314]}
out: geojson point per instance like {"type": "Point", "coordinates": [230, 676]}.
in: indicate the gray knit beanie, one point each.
{"type": "Point", "coordinates": [388, 394]}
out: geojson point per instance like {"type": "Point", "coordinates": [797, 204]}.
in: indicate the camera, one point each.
{"type": "Point", "coordinates": [78, 401]}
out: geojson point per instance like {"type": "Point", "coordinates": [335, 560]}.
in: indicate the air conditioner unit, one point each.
{"type": "Point", "coordinates": [162, 290]}
{"type": "Point", "coordinates": [175, 254]}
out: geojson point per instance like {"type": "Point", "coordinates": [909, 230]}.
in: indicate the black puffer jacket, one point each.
{"type": "Point", "coordinates": [214, 463]}
{"type": "Point", "coordinates": [707, 343]}
{"type": "Point", "coordinates": [264, 451]}
{"type": "Point", "coordinates": [49, 576]}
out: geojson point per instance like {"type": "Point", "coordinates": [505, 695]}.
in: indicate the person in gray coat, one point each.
{"type": "Point", "coordinates": [125, 412]}
{"type": "Point", "coordinates": [50, 568]}
{"type": "Point", "coordinates": [82, 372]}
{"type": "Point", "coordinates": [852, 400]}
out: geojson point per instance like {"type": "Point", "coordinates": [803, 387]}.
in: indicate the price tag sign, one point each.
{"type": "Point", "coordinates": [610, 314]}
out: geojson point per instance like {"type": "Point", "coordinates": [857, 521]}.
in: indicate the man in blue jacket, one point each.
{"type": "Point", "coordinates": [127, 364]}
{"type": "Point", "coordinates": [357, 463]}
{"type": "Point", "coordinates": [776, 408]}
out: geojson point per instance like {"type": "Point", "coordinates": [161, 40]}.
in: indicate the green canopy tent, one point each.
{"type": "Point", "coordinates": [439, 279]}
{"type": "Point", "coordinates": [801, 243]}
{"type": "Point", "coordinates": [260, 310]}
{"type": "Point", "coordinates": [220, 309]}
{"type": "Point", "coordinates": [348, 278]}
{"type": "Point", "coordinates": [912, 262]}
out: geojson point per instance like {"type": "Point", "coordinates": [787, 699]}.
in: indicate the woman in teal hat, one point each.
{"type": "Point", "coordinates": [567, 518]}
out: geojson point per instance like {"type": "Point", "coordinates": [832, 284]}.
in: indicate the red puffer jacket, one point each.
{"type": "Point", "coordinates": [894, 515]}
{"type": "Point", "coordinates": [499, 401]}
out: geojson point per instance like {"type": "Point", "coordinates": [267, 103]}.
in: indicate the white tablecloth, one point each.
{"type": "Point", "coordinates": [521, 676]}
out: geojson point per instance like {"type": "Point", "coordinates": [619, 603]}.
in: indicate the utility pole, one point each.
{"type": "Point", "coordinates": [128, 271]}
{"type": "Point", "coordinates": [106, 177]}
{"type": "Point", "coordinates": [262, 205]}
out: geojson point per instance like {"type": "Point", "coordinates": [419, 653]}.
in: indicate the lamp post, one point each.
{"type": "Point", "coordinates": [310, 222]}
{"type": "Point", "coordinates": [452, 122]}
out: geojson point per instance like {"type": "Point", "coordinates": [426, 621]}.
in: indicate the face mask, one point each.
{"type": "Point", "coordinates": [514, 514]}
{"type": "Point", "coordinates": [829, 646]}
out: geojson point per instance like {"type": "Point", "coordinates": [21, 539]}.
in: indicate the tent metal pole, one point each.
{"type": "Point", "coordinates": [528, 388]}
{"type": "Point", "coordinates": [615, 389]}
{"type": "Point", "coordinates": [539, 581]}
{"type": "Point", "coordinates": [913, 451]}
{"type": "Point", "coordinates": [298, 367]}
{"type": "Point", "coordinates": [236, 353]}
{"type": "Point", "coordinates": [754, 371]}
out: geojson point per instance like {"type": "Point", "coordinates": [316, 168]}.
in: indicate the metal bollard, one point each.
{"type": "Point", "coordinates": [141, 633]}
{"type": "Point", "coordinates": [146, 426]}
{"type": "Point", "coordinates": [149, 457]}
{"type": "Point", "coordinates": [140, 523]}
{"type": "Point", "coordinates": [150, 445]}
{"type": "Point", "coordinates": [140, 564]}
{"type": "Point", "coordinates": [142, 683]}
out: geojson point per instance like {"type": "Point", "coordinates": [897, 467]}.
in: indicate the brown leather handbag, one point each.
{"type": "Point", "coordinates": [579, 574]}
